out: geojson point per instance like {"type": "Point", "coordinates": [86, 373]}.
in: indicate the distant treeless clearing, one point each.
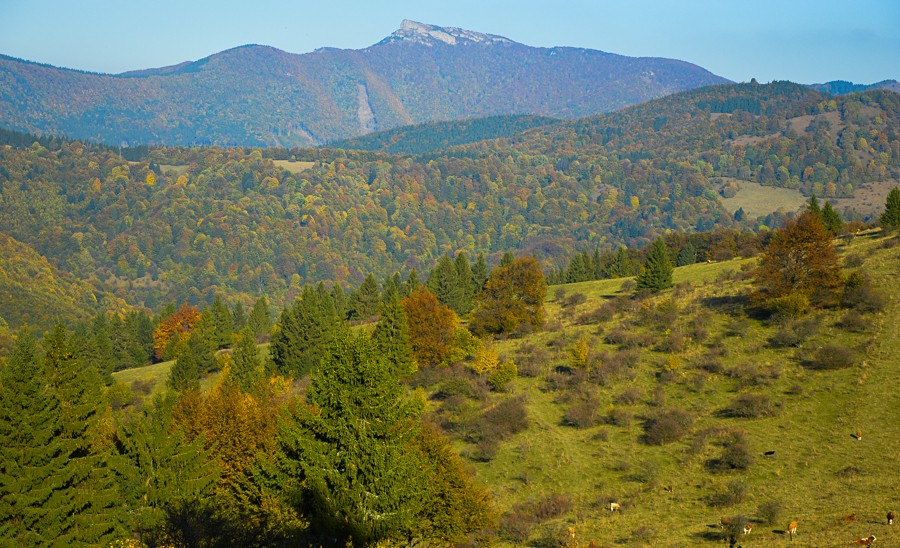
{"type": "Point", "coordinates": [293, 167]}
{"type": "Point", "coordinates": [758, 200]}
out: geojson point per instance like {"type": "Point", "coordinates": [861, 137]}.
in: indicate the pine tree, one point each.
{"type": "Point", "coordinates": [466, 284]}
{"type": "Point", "coordinates": [813, 206]}
{"type": "Point", "coordinates": [260, 318]}
{"type": "Point", "coordinates": [480, 273]}
{"type": "Point", "coordinates": [306, 330]}
{"type": "Point", "coordinates": [339, 298]}
{"type": "Point", "coordinates": [687, 255]}
{"type": "Point", "coordinates": [391, 335]}
{"type": "Point", "coordinates": [222, 323]}
{"type": "Point", "coordinates": [351, 464]}
{"type": "Point", "coordinates": [31, 455]}
{"type": "Point", "coordinates": [166, 479]}
{"type": "Point", "coordinates": [238, 316]}
{"type": "Point", "coordinates": [620, 266]}
{"type": "Point", "coordinates": [89, 495]}
{"type": "Point", "coordinates": [412, 283]}
{"type": "Point", "coordinates": [831, 219]}
{"type": "Point", "coordinates": [890, 219]}
{"type": "Point", "coordinates": [246, 368]}
{"type": "Point", "coordinates": [364, 302]}
{"type": "Point", "coordinates": [656, 273]}
{"type": "Point", "coordinates": [196, 359]}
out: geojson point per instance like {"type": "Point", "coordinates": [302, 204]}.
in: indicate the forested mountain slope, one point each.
{"type": "Point", "coordinates": [260, 96]}
{"type": "Point", "coordinates": [186, 223]}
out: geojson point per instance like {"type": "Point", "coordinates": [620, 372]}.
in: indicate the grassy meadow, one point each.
{"type": "Point", "coordinates": [737, 380]}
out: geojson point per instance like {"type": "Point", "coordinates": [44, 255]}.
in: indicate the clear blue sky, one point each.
{"type": "Point", "coordinates": [804, 41]}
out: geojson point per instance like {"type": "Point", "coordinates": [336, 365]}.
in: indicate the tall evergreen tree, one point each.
{"type": "Point", "coordinates": [31, 455]}
{"type": "Point", "coordinates": [831, 219]}
{"type": "Point", "coordinates": [813, 206]}
{"type": "Point", "coordinates": [196, 359]}
{"type": "Point", "coordinates": [260, 318]}
{"type": "Point", "coordinates": [656, 273]}
{"type": "Point", "coordinates": [620, 266]}
{"type": "Point", "coordinates": [246, 368]}
{"type": "Point", "coordinates": [89, 495]}
{"type": "Point", "coordinates": [339, 298]}
{"type": "Point", "coordinates": [444, 284]}
{"type": "Point", "coordinates": [238, 316]}
{"type": "Point", "coordinates": [364, 301]}
{"type": "Point", "coordinates": [480, 273]}
{"type": "Point", "coordinates": [222, 323]}
{"type": "Point", "coordinates": [391, 335]}
{"type": "Point", "coordinates": [412, 283]}
{"type": "Point", "coordinates": [890, 219]}
{"type": "Point", "coordinates": [166, 480]}
{"type": "Point", "coordinates": [306, 330]}
{"type": "Point", "coordinates": [466, 282]}
{"type": "Point", "coordinates": [351, 465]}
{"type": "Point", "coordinates": [687, 255]}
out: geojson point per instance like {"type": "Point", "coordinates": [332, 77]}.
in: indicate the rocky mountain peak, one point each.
{"type": "Point", "coordinates": [429, 35]}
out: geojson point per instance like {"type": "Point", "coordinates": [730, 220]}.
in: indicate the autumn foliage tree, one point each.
{"type": "Point", "coordinates": [513, 296]}
{"type": "Point", "coordinates": [800, 259]}
{"type": "Point", "coordinates": [173, 331]}
{"type": "Point", "coordinates": [432, 327]}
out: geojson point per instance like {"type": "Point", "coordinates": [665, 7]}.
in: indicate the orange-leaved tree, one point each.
{"type": "Point", "coordinates": [173, 331]}
{"type": "Point", "coordinates": [512, 297]}
{"type": "Point", "coordinates": [799, 260]}
{"type": "Point", "coordinates": [432, 327]}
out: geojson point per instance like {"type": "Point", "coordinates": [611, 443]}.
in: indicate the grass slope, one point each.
{"type": "Point", "coordinates": [819, 471]}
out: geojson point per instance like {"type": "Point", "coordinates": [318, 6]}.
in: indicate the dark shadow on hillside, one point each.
{"type": "Point", "coordinates": [728, 304]}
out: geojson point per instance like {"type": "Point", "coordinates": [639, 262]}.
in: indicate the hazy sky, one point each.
{"type": "Point", "coordinates": [804, 41]}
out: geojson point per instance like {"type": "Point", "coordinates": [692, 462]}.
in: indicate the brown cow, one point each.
{"type": "Point", "coordinates": [865, 541]}
{"type": "Point", "coordinates": [890, 517]}
{"type": "Point", "coordinates": [614, 507]}
{"type": "Point", "coordinates": [849, 518]}
{"type": "Point", "coordinates": [792, 529]}
{"type": "Point", "coordinates": [748, 528]}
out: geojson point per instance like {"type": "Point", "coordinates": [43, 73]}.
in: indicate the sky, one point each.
{"type": "Point", "coordinates": [805, 41]}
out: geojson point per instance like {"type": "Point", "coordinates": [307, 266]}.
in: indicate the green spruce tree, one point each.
{"type": "Point", "coordinates": [391, 335]}
{"type": "Point", "coordinates": [831, 219]}
{"type": "Point", "coordinates": [656, 274]}
{"type": "Point", "coordinates": [480, 273]}
{"type": "Point", "coordinates": [32, 457]}
{"type": "Point", "coordinates": [246, 368]}
{"type": "Point", "coordinates": [260, 320]}
{"type": "Point", "coordinates": [222, 323]}
{"type": "Point", "coordinates": [351, 465]}
{"type": "Point", "coordinates": [890, 219]}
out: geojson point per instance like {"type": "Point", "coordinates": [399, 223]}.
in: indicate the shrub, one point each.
{"type": "Point", "coordinates": [498, 423]}
{"type": "Point", "coordinates": [531, 360]}
{"type": "Point", "coordinates": [853, 261]}
{"type": "Point", "coordinates": [142, 387]}
{"type": "Point", "coordinates": [751, 406]}
{"type": "Point", "coordinates": [583, 413]}
{"type": "Point", "coordinates": [854, 322]}
{"type": "Point", "coordinates": [617, 416]}
{"type": "Point", "coordinates": [516, 524]}
{"type": "Point", "coordinates": [459, 386]}
{"type": "Point", "coordinates": [602, 313]}
{"type": "Point", "coordinates": [794, 333]}
{"type": "Point", "coordinates": [735, 454]}
{"type": "Point", "coordinates": [502, 375]}
{"type": "Point", "coordinates": [860, 294]}
{"type": "Point", "coordinates": [770, 511]}
{"type": "Point", "coordinates": [668, 426]}
{"type": "Point", "coordinates": [735, 493]}
{"type": "Point", "coordinates": [574, 299]}
{"type": "Point", "coordinates": [630, 396]}
{"type": "Point", "coordinates": [120, 395]}
{"type": "Point", "coordinates": [790, 306]}
{"type": "Point", "coordinates": [647, 471]}
{"type": "Point", "coordinates": [831, 357]}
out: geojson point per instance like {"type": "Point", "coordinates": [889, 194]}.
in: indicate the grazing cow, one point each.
{"type": "Point", "coordinates": [725, 522]}
{"type": "Point", "coordinates": [858, 435]}
{"type": "Point", "coordinates": [748, 528]}
{"type": "Point", "coordinates": [849, 518]}
{"type": "Point", "coordinates": [614, 507]}
{"type": "Point", "coordinates": [865, 541]}
{"type": "Point", "coordinates": [668, 488]}
{"type": "Point", "coordinates": [890, 517]}
{"type": "Point", "coordinates": [792, 529]}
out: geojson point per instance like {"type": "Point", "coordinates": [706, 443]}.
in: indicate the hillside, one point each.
{"type": "Point", "coordinates": [422, 138]}
{"type": "Point", "coordinates": [769, 429]}
{"type": "Point", "coordinates": [34, 293]}
{"type": "Point", "coordinates": [260, 96]}
{"type": "Point", "coordinates": [841, 87]}
{"type": "Point", "coordinates": [183, 224]}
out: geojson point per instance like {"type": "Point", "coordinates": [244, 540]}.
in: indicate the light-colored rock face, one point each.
{"type": "Point", "coordinates": [412, 31]}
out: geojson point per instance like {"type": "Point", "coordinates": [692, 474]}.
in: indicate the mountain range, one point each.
{"type": "Point", "coordinates": [260, 96]}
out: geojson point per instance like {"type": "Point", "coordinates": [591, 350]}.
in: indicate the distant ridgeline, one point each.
{"type": "Point", "coordinates": [186, 223]}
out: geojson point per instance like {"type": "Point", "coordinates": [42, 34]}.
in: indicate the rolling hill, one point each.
{"type": "Point", "coordinates": [260, 96]}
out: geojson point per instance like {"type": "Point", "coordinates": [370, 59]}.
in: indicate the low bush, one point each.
{"type": "Point", "coordinates": [516, 525]}
{"type": "Point", "coordinates": [854, 322]}
{"type": "Point", "coordinates": [532, 361]}
{"type": "Point", "coordinates": [790, 306]}
{"type": "Point", "coordinates": [770, 511]}
{"type": "Point", "coordinates": [751, 406]}
{"type": "Point", "coordinates": [630, 396]}
{"type": "Point", "coordinates": [601, 314]}
{"type": "Point", "coordinates": [830, 357]}
{"type": "Point", "coordinates": [574, 299]}
{"type": "Point", "coordinates": [793, 333]}
{"type": "Point", "coordinates": [142, 387]}
{"type": "Point", "coordinates": [736, 454]}
{"type": "Point", "coordinates": [859, 294]}
{"type": "Point", "coordinates": [617, 416]}
{"type": "Point", "coordinates": [735, 493]}
{"type": "Point", "coordinates": [583, 413]}
{"type": "Point", "coordinates": [667, 426]}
